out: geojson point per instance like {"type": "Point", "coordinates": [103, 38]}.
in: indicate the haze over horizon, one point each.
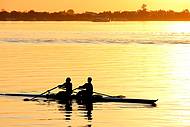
{"type": "Point", "coordinates": [80, 6]}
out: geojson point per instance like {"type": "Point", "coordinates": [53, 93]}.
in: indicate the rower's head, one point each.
{"type": "Point", "coordinates": [68, 79]}
{"type": "Point", "coordinates": [89, 79]}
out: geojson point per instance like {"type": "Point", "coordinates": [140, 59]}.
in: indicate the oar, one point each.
{"type": "Point", "coordinates": [120, 96]}
{"type": "Point", "coordinates": [40, 94]}
{"type": "Point", "coordinates": [75, 89]}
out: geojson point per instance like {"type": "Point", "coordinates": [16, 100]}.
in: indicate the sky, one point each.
{"type": "Point", "coordinates": [80, 6]}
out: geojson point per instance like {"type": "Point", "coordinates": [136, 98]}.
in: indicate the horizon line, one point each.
{"type": "Point", "coordinates": [92, 11]}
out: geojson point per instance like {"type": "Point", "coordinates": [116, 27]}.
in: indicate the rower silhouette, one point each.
{"type": "Point", "coordinates": [85, 95]}
{"type": "Point", "coordinates": [67, 86]}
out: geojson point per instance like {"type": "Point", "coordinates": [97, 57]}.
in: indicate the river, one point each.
{"type": "Point", "coordinates": [135, 59]}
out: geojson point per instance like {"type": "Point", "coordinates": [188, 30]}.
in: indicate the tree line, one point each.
{"type": "Point", "coordinates": [143, 14]}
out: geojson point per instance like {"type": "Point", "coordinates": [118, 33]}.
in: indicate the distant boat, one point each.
{"type": "Point", "coordinates": [101, 20]}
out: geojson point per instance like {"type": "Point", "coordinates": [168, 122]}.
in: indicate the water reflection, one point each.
{"type": "Point", "coordinates": [67, 108]}
{"type": "Point", "coordinates": [84, 108]}
{"type": "Point", "coordinates": [88, 125]}
{"type": "Point", "coordinates": [72, 109]}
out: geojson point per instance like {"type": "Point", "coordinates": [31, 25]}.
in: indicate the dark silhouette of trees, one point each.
{"type": "Point", "coordinates": [143, 7]}
{"type": "Point", "coordinates": [70, 12]}
{"type": "Point", "coordinates": [143, 14]}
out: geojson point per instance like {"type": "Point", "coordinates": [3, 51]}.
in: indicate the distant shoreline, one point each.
{"type": "Point", "coordinates": [106, 16]}
{"type": "Point", "coordinates": [93, 21]}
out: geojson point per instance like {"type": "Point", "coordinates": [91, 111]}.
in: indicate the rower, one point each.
{"type": "Point", "coordinates": [88, 92]}
{"type": "Point", "coordinates": [67, 86]}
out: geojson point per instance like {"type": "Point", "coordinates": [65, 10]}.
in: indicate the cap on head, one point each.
{"type": "Point", "coordinates": [68, 79]}
{"type": "Point", "coordinates": [89, 79]}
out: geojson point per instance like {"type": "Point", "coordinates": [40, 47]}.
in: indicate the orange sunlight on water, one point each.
{"type": "Point", "coordinates": [159, 69]}
{"type": "Point", "coordinates": [137, 71]}
{"type": "Point", "coordinates": [180, 71]}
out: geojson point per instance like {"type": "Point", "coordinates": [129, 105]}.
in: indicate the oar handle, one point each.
{"type": "Point", "coordinates": [120, 96]}
{"type": "Point", "coordinates": [43, 93]}
{"type": "Point", "coordinates": [75, 88]}
{"type": "Point", "coordinates": [103, 94]}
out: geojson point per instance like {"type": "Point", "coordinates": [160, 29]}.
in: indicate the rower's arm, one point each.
{"type": "Point", "coordinates": [61, 86]}
{"type": "Point", "coordinates": [82, 87]}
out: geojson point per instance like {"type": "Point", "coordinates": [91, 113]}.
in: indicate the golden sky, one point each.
{"type": "Point", "coordinates": [92, 5]}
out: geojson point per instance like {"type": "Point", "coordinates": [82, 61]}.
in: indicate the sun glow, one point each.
{"type": "Point", "coordinates": [180, 27]}
{"type": "Point", "coordinates": [180, 62]}
{"type": "Point", "coordinates": [180, 72]}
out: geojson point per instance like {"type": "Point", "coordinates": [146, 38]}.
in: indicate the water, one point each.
{"type": "Point", "coordinates": [90, 32]}
{"type": "Point", "coordinates": [136, 59]}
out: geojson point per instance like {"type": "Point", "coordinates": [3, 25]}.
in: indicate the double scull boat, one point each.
{"type": "Point", "coordinates": [96, 98]}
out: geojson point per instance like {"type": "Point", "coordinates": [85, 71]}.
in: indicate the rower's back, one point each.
{"type": "Point", "coordinates": [89, 88]}
{"type": "Point", "coordinates": [88, 92]}
{"type": "Point", "coordinates": [68, 87]}
{"type": "Point", "coordinates": [68, 90]}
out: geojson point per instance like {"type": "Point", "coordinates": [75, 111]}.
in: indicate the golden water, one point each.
{"type": "Point", "coordinates": [135, 70]}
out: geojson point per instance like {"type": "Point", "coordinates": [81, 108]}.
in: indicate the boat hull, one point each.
{"type": "Point", "coordinates": [96, 98]}
{"type": "Point", "coordinates": [128, 100]}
